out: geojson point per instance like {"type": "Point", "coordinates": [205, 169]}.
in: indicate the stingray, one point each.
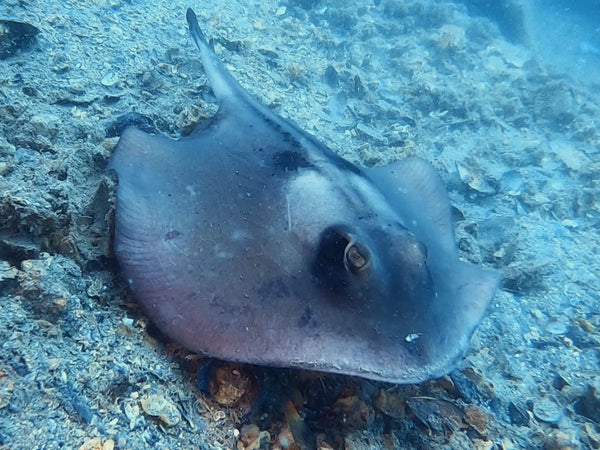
{"type": "Point", "coordinates": [250, 241]}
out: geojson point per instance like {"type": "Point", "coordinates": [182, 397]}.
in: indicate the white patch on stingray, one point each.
{"type": "Point", "coordinates": [313, 202]}
{"type": "Point", "coordinates": [191, 190]}
{"type": "Point", "coordinates": [239, 235]}
{"type": "Point", "coordinates": [289, 212]}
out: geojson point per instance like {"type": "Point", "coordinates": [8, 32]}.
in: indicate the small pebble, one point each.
{"type": "Point", "coordinates": [92, 444]}
{"type": "Point", "coordinates": [128, 322]}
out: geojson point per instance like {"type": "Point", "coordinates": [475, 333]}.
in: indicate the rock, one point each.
{"type": "Point", "coordinates": [15, 37]}
{"type": "Point", "coordinates": [588, 405]}
{"type": "Point", "coordinates": [158, 406]}
{"type": "Point", "coordinates": [356, 413]}
{"type": "Point", "coordinates": [477, 419]}
{"type": "Point", "coordinates": [391, 404]}
{"type": "Point", "coordinates": [518, 415]}
{"type": "Point", "coordinates": [130, 119]}
{"type": "Point", "coordinates": [97, 444]}
{"type": "Point", "coordinates": [251, 438]}
{"type": "Point", "coordinates": [92, 444]}
{"type": "Point", "coordinates": [561, 440]}
{"type": "Point", "coordinates": [7, 272]}
{"type": "Point", "coordinates": [331, 77]}
{"type": "Point", "coordinates": [439, 415]}
{"type": "Point", "coordinates": [110, 79]}
{"type": "Point", "coordinates": [301, 433]}
{"type": "Point", "coordinates": [473, 176]}
{"type": "Point", "coordinates": [232, 384]}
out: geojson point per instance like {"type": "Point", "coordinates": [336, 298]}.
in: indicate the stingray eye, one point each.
{"type": "Point", "coordinates": [355, 260]}
{"type": "Point", "coordinates": [339, 258]}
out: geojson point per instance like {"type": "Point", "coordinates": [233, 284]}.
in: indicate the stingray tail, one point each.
{"type": "Point", "coordinates": [226, 89]}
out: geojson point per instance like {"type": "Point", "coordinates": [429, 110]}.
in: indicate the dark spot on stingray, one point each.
{"type": "Point", "coordinates": [338, 268]}
{"type": "Point", "coordinates": [328, 266]}
{"type": "Point", "coordinates": [345, 165]}
{"type": "Point", "coordinates": [306, 317]}
{"type": "Point", "coordinates": [130, 119]}
{"type": "Point", "coordinates": [172, 235]}
{"type": "Point", "coordinates": [273, 288]}
{"type": "Point", "coordinates": [289, 160]}
{"type": "Point", "coordinates": [292, 139]}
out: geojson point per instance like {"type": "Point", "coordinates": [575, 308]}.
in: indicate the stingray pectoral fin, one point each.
{"type": "Point", "coordinates": [470, 290]}
{"type": "Point", "coordinates": [462, 291]}
{"type": "Point", "coordinates": [475, 288]}
{"type": "Point", "coordinates": [417, 194]}
{"type": "Point", "coordinates": [145, 164]}
{"type": "Point", "coordinates": [463, 295]}
{"type": "Point", "coordinates": [465, 292]}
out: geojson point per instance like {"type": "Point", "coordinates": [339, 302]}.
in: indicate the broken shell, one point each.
{"type": "Point", "coordinates": [548, 410]}
{"type": "Point", "coordinates": [110, 79]}
{"type": "Point", "coordinates": [474, 178]}
{"type": "Point", "coordinates": [557, 326]}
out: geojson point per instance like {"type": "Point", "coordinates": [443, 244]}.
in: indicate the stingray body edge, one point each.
{"type": "Point", "coordinates": [250, 241]}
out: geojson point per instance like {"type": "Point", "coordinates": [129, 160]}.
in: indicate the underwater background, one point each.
{"type": "Point", "coordinates": [502, 97]}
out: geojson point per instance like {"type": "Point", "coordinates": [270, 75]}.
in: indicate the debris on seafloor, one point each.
{"type": "Point", "coordinates": [302, 435]}
{"type": "Point", "coordinates": [230, 385]}
{"type": "Point", "coordinates": [251, 438]}
{"type": "Point", "coordinates": [164, 409]}
{"type": "Point", "coordinates": [15, 37]}
{"type": "Point", "coordinates": [439, 415]}
{"type": "Point", "coordinates": [97, 444]}
{"type": "Point", "coordinates": [475, 178]}
{"type": "Point", "coordinates": [391, 403]}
